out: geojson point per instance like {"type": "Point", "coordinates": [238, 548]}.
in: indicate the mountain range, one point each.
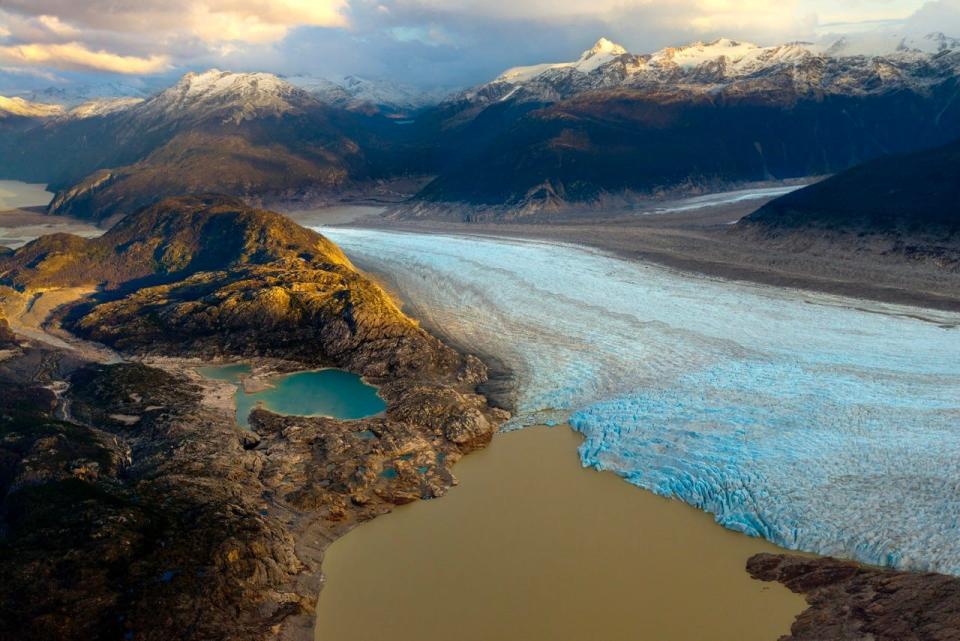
{"type": "Point", "coordinates": [253, 135]}
{"type": "Point", "coordinates": [608, 128]}
{"type": "Point", "coordinates": [613, 126]}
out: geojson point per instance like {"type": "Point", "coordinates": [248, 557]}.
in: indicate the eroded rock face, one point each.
{"type": "Point", "coordinates": [851, 602]}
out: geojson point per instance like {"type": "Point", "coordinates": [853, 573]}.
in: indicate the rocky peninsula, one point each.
{"type": "Point", "coordinates": [134, 506]}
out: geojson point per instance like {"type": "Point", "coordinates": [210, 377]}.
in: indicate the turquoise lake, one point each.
{"type": "Point", "coordinates": [327, 392]}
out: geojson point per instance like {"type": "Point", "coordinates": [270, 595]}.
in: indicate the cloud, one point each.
{"type": "Point", "coordinates": [73, 55]}
{"type": "Point", "coordinates": [54, 25]}
{"type": "Point", "coordinates": [427, 42]}
{"type": "Point", "coordinates": [254, 21]}
{"type": "Point", "coordinates": [937, 16]}
{"type": "Point", "coordinates": [261, 21]}
{"type": "Point", "coordinates": [143, 36]}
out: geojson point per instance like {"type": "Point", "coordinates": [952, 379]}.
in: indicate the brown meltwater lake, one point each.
{"type": "Point", "coordinates": [533, 547]}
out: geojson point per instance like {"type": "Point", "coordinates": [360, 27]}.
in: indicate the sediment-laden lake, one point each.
{"type": "Point", "coordinates": [533, 547]}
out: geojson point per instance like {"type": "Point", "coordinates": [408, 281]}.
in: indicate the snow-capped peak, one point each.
{"type": "Point", "coordinates": [215, 82]}
{"type": "Point", "coordinates": [696, 54]}
{"type": "Point", "coordinates": [939, 41]}
{"type": "Point", "coordinates": [603, 46]}
{"type": "Point", "coordinates": [598, 55]}
{"type": "Point", "coordinates": [103, 107]}
{"type": "Point", "coordinates": [854, 63]}
{"type": "Point", "coordinates": [228, 96]}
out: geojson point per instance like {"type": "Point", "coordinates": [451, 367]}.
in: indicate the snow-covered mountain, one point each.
{"type": "Point", "coordinates": [102, 107]}
{"type": "Point", "coordinates": [23, 108]}
{"type": "Point", "coordinates": [844, 66]}
{"type": "Point", "coordinates": [227, 97]}
{"type": "Point", "coordinates": [71, 96]}
{"type": "Point", "coordinates": [353, 92]}
{"type": "Point", "coordinates": [20, 107]}
{"type": "Point", "coordinates": [613, 127]}
{"type": "Point", "coordinates": [601, 53]}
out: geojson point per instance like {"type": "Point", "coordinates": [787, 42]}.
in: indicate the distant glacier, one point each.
{"type": "Point", "coordinates": [817, 422]}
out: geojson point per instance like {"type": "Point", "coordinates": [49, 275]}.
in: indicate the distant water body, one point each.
{"type": "Point", "coordinates": [328, 392]}
{"type": "Point", "coordinates": [723, 198]}
{"type": "Point", "coordinates": [817, 422]}
{"type": "Point", "coordinates": [15, 194]}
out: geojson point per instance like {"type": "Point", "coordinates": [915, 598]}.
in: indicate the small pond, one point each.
{"type": "Point", "coordinates": [327, 392]}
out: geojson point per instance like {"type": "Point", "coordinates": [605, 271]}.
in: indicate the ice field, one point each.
{"type": "Point", "coordinates": [817, 422]}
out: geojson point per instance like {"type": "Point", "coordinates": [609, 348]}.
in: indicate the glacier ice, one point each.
{"type": "Point", "coordinates": [817, 422]}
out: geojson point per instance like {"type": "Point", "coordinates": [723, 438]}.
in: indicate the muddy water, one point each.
{"type": "Point", "coordinates": [531, 546]}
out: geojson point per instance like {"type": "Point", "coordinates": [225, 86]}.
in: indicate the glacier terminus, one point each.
{"type": "Point", "coordinates": [820, 423]}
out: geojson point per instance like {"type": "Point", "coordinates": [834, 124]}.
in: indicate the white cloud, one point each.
{"type": "Point", "coordinates": [73, 55]}
{"type": "Point", "coordinates": [57, 26]}
{"type": "Point", "coordinates": [453, 42]}
{"type": "Point", "coordinates": [141, 36]}
{"type": "Point", "coordinates": [745, 19]}
{"type": "Point", "coordinates": [260, 21]}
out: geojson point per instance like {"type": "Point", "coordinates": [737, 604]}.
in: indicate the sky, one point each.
{"type": "Point", "coordinates": [427, 43]}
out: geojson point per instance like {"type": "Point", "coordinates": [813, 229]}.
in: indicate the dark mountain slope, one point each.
{"type": "Point", "coordinates": [210, 276]}
{"type": "Point", "coordinates": [912, 193]}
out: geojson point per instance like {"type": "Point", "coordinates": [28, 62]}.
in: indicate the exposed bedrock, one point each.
{"type": "Point", "coordinates": [851, 602]}
{"type": "Point", "coordinates": [134, 508]}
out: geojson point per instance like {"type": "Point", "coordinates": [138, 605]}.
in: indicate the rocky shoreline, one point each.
{"type": "Point", "coordinates": [852, 602]}
{"type": "Point", "coordinates": [135, 507]}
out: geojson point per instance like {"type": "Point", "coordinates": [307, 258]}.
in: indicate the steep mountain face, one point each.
{"type": "Point", "coordinates": [7, 338]}
{"type": "Point", "coordinates": [250, 134]}
{"type": "Point", "coordinates": [613, 126]}
{"type": "Point", "coordinates": [905, 204]}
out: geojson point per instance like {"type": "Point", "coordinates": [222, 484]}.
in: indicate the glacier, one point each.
{"type": "Point", "coordinates": [821, 423]}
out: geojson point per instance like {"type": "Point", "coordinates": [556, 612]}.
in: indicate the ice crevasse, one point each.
{"type": "Point", "coordinates": [819, 423]}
